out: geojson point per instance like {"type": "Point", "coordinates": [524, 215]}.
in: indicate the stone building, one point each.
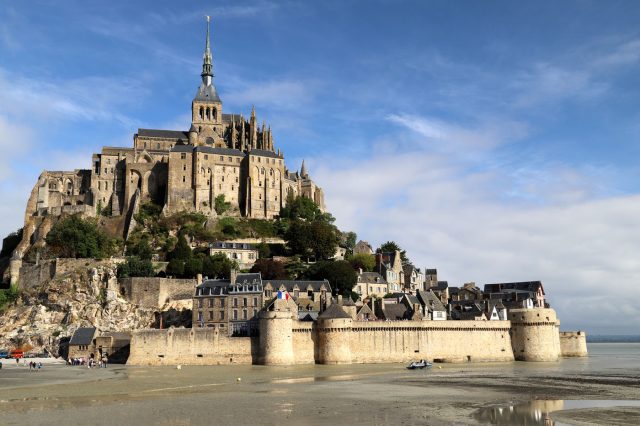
{"type": "Point", "coordinates": [221, 154]}
{"type": "Point", "coordinates": [228, 305]}
{"type": "Point", "coordinates": [370, 284]}
{"type": "Point", "coordinates": [389, 265]}
{"type": "Point", "coordinates": [244, 254]}
{"type": "Point", "coordinates": [81, 344]}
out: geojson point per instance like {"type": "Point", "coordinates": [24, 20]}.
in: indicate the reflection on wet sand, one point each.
{"type": "Point", "coordinates": [538, 411]}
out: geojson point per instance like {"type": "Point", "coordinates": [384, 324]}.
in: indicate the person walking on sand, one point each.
{"type": "Point", "coordinates": [39, 365]}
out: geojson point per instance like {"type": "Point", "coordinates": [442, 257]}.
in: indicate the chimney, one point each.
{"type": "Point", "coordinates": [234, 276]}
{"type": "Point", "coordinates": [340, 300]}
{"type": "Point", "coordinates": [198, 279]}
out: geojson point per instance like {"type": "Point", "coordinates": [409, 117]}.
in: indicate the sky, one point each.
{"type": "Point", "coordinates": [495, 141]}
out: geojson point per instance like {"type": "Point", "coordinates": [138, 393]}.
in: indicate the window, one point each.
{"type": "Point", "coordinates": [184, 167]}
{"type": "Point", "coordinates": [200, 316]}
{"type": "Point", "coordinates": [235, 314]}
{"type": "Point", "coordinates": [230, 159]}
{"type": "Point", "coordinates": [255, 301]}
{"type": "Point", "coordinates": [199, 303]}
{"type": "Point", "coordinates": [222, 303]}
{"type": "Point", "coordinates": [157, 146]}
{"type": "Point", "coordinates": [206, 157]}
{"type": "Point", "coordinates": [255, 312]}
{"type": "Point", "coordinates": [262, 171]}
{"type": "Point", "coordinates": [210, 315]}
{"type": "Point", "coordinates": [105, 170]}
{"type": "Point", "coordinates": [221, 315]}
{"type": "Point", "coordinates": [183, 156]}
{"type": "Point", "coordinates": [211, 303]}
{"type": "Point", "coordinates": [221, 158]}
{"type": "Point", "coordinates": [235, 302]}
{"type": "Point", "coordinates": [236, 179]}
{"type": "Point", "coordinates": [184, 179]}
{"type": "Point", "coordinates": [244, 302]}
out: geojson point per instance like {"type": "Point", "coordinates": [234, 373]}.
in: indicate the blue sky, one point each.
{"type": "Point", "coordinates": [494, 140]}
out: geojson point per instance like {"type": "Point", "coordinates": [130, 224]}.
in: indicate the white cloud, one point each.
{"type": "Point", "coordinates": [485, 223]}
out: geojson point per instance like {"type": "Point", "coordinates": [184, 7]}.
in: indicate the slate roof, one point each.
{"type": "Point", "coordinates": [395, 311]}
{"type": "Point", "coordinates": [263, 153]}
{"type": "Point", "coordinates": [220, 151]}
{"type": "Point", "coordinates": [228, 118]}
{"type": "Point", "coordinates": [302, 285]}
{"type": "Point", "coordinates": [430, 300]}
{"type": "Point", "coordinates": [182, 148]}
{"type": "Point", "coordinates": [334, 311]}
{"type": "Point", "coordinates": [83, 336]}
{"type": "Point", "coordinates": [521, 285]}
{"type": "Point", "coordinates": [370, 278]}
{"type": "Point", "coordinates": [231, 245]}
{"type": "Point", "coordinates": [207, 93]}
{"type": "Point", "coordinates": [165, 134]}
{"type": "Point", "coordinates": [249, 279]}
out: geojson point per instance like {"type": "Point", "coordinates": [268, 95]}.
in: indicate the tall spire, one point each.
{"type": "Point", "coordinates": [303, 170]}
{"type": "Point", "coordinates": [207, 61]}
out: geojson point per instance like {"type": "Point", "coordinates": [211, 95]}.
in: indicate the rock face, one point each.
{"type": "Point", "coordinates": [50, 311]}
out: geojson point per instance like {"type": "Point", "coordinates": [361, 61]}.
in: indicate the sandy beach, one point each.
{"type": "Point", "coordinates": [315, 394]}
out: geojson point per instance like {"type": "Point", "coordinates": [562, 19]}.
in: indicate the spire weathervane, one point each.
{"type": "Point", "coordinates": [207, 62]}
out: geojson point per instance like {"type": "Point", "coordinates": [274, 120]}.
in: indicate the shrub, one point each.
{"type": "Point", "coordinates": [75, 237]}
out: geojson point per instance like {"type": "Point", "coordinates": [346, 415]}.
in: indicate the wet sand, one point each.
{"type": "Point", "coordinates": [314, 394]}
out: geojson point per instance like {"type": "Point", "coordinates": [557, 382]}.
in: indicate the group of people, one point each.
{"type": "Point", "coordinates": [90, 363]}
{"type": "Point", "coordinates": [35, 366]}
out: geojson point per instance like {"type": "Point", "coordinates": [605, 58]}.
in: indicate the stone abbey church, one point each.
{"type": "Point", "coordinates": [220, 154]}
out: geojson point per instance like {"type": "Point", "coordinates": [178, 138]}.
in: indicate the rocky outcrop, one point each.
{"type": "Point", "coordinates": [52, 310]}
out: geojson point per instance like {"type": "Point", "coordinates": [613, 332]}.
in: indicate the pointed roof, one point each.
{"type": "Point", "coordinates": [303, 170]}
{"type": "Point", "coordinates": [334, 311]}
{"type": "Point", "coordinates": [207, 91]}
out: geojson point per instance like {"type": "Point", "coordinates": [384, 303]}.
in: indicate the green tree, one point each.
{"type": "Point", "coordinates": [348, 241]}
{"type": "Point", "coordinates": [221, 205]}
{"type": "Point", "coordinates": [140, 247]}
{"type": "Point", "coordinates": [217, 266]}
{"type": "Point", "coordinates": [270, 269]}
{"type": "Point", "coordinates": [340, 275]}
{"type": "Point", "coordinates": [136, 267]}
{"type": "Point", "coordinates": [366, 262]}
{"type": "Point", "coordinates": [176, 267]}
{"type": "Point", "coordinates": [182, 250]}
{"type": "Point", "coordinates": [75, 237]}
{"type": "Point", "coordinates": [264, 251]}
{"type": "Point", "coordinates": [303, 208]}
{"type": "Point", "coordinates": [391, 247]}
{"type": "Point", "coordinates": [312, 239]}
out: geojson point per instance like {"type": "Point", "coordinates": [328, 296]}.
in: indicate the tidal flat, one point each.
{"type": "Point", "coordinates": [316, 394]}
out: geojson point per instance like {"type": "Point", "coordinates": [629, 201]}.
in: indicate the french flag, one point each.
{"type": "Point", "coordinates": [283, 295]}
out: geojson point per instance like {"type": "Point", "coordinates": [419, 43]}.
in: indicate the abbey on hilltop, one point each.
{"type": "Point", "coordinates": [220, 154]}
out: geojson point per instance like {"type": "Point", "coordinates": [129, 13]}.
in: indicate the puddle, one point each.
{"type": "Point", "coordinates": [537, 411]}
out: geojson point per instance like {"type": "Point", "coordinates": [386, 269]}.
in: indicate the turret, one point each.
{"type": "Point", "coordinates": [535, 334]}
{"type": "Point", "coordinates": [303, 171]}
{"type": "Point", "coordinates": [334, 330]}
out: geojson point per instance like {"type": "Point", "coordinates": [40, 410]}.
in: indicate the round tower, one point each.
{"type": "Point", "coordinates": [334, 335]}
{"type": "Point", "coordinates": [535, 334]}
{"type": "Point", "coordinates": [276, 338]}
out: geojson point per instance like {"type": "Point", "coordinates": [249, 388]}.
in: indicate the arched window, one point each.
{"type": "Point", "coordinates": [208, 113]}
{"type": "Point", "coordinates": [262, 171]}
{"type": "Point", "coordinates": [201, 113]}
{"type": "Point", "coordinates": [270, 172]}
{"type": "Point", "coordinates": [215, 113]}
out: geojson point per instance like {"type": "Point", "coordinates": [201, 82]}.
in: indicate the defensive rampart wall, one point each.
{"type": "Point", "coordinates": [155, 292]}
{"type": "Point", "coordinates": [190, 346]}
{"type": "Point", "coordinates": [445, 341]}
{"type": "Point", "coordinates": [573, 343]}
{"type": "Point", "coordinates": [357, 342]}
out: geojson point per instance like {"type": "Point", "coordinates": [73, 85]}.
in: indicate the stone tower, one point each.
{"type": "Point", "coordinates": [276, 335]}
{"type": "Point", "coordinates": [334, 336]}
{"type": "Point", "coordinates": [535, 334]}
{"type": "Point", "coordinates": [206, 108]}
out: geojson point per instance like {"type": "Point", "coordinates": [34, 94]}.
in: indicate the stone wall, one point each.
{"type": "Point", "coordinates": [357, 342]}
{"type": "Point", "coordinates": [190, 346]}
{"type": "Point", "coordinates": [153, 292]}
{"type": "Point", "coordinates": [32, 275]}
{"type": "Point", "coordinates": [573, 343]}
